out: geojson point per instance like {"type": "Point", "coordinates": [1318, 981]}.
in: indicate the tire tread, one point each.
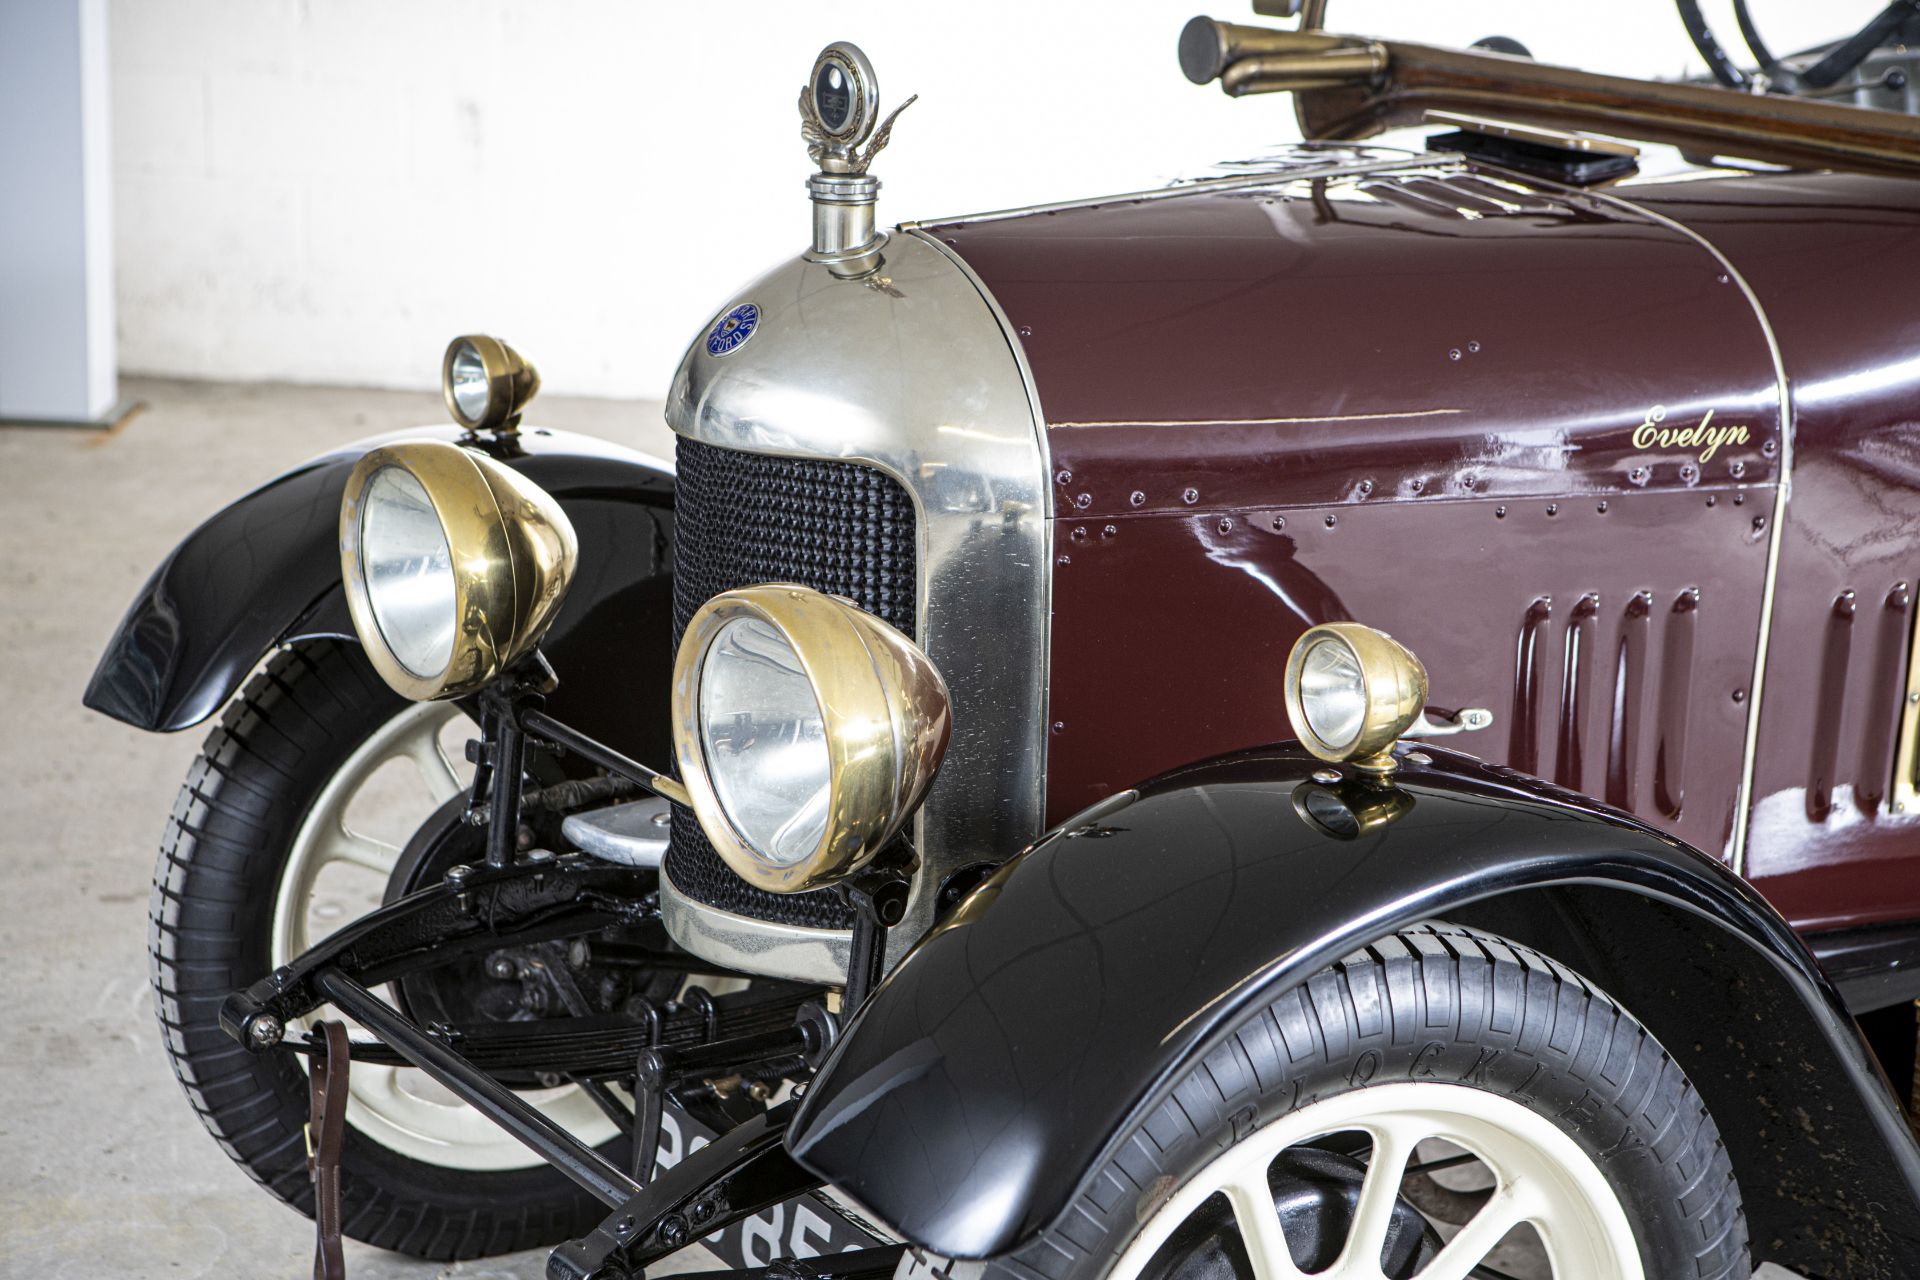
{"type": "Point", "coordinates": [262, 759]}
{"type": "Point", "coordinates": [1434, 984]}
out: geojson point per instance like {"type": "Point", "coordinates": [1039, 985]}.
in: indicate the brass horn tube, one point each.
{"type": "Point", "coordinates": [1208, 47]}
{"type": "Point", "coordinates": [1700, 119]}
{"type": "Point", "coordinates": [1277, 72]}
{"type": "Point", "coordinates": [1349, 88]}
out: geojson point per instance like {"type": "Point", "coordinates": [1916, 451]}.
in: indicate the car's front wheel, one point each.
{"type": "Point", "coordinates": [1444, 1104]}
{"type": "Point", "coordinates": [299, 817]}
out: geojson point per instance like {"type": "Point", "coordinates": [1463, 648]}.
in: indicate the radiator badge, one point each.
{"type": "Point", "coordinates": [1704, 436]}
{"type": "Point", "coordinates": [733, 330]}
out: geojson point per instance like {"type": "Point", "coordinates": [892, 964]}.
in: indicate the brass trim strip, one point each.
{"type": "Point", "coordinates": [1743, 803]}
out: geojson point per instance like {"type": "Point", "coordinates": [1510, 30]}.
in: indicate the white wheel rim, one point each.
{"type": "Point", "coordinates": [398, 1107]}
{"type": "Point", "coordinates": [1542, 1177]}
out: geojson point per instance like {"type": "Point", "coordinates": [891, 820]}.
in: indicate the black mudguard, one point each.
{"type": "Point", "coordinates": [1002, 1058]}
{"type": "Point", "coordinates": [265, 571]}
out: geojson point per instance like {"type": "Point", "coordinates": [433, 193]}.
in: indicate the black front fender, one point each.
{"type": "Point", "coordinates": [1006, 1054]}
{"type": "Point", "coordinates": [266, 571]}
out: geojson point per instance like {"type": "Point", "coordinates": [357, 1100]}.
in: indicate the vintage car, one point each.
{"type": "Point", "coordinates": [979, 811]}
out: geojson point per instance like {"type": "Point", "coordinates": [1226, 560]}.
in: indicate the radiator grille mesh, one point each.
{"type": "Point", "coordinates": [743, 518]}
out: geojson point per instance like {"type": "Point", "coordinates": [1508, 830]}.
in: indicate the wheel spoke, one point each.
{"type": "Point", "coordinates": [435, 769]}
{"type": "Point", "coordinates": [1476, 1240]}
{"type": "Point", "coordinates": [1259, 1223]}
{"type": "Point", "coordinates": [362, 851]}
{"type": "Point", "coordinates": [1373, 1216]}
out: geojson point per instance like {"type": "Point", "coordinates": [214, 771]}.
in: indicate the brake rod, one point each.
{"type": "Point", "coordinates": [545, 727]}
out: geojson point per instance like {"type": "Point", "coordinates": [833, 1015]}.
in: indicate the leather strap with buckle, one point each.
{"type": "Point", "coordinates": [326, 1132]}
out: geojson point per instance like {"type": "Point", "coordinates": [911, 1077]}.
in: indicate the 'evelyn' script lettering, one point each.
{"type": "Point", "coordinates": [1704, 436]}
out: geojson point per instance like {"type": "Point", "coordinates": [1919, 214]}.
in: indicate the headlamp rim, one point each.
{"type": "Point", "coordinates": [886, 718]}
{"type": "Point", "coordinates": [1393, 689]}
{"type": "Point", "coordinates": [512, 552]}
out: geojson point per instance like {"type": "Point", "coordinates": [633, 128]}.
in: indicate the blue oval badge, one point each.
{"type": "Point", "coordinates": [733, 330]}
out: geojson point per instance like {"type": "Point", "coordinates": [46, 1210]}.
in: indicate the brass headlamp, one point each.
{"type": "Point", "coordinates": [486, 383]}
{"type": "Point", "coordinates": [806, 732]}
{"type": "Point", "coordinates": [1352, 692]}
{"type": "Point", "coordinates": [454, 565]}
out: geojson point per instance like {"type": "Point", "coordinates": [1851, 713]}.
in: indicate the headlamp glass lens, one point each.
{"type": "Point", "coordinates": [1333, 693]}
{"type": "Point", "coordinates": [409, 572]}
{"type": "Point", "coordinates": [469, 377]}
{"type": "Point", "coordinates": [765, 741]}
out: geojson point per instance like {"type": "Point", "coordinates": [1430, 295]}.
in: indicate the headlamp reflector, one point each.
{"type": "Point", "coordinates": [765, 741]}
{"type": "Point", "coordinates": [1333, 693]}
{"type": "Point", "coordinates": [467, 380]}
{"type": "Point", "coordinates": [409, 572]}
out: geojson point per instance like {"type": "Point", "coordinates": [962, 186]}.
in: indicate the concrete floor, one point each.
{"type": "Point", "coordinates": [104, 1171]}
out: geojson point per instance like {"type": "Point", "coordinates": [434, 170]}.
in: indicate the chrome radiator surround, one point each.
{"type": "Point", "coordinates": [915, 371]}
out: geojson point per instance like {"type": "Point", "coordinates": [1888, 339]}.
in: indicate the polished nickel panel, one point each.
{"type": "Point", "coordinates": [755, 946]}
{"type": "Point", "coordinates": [912, 370]}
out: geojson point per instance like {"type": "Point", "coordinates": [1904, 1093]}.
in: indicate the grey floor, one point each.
{"type": "Point", "coordinates": [104, 1171]}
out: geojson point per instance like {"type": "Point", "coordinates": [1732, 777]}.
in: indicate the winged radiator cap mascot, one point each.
{"type": "Point", "coordinates": [837, 108]}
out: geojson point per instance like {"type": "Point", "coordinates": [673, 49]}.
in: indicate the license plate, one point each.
{"type": "Point", "coordinates": [803, 1227]}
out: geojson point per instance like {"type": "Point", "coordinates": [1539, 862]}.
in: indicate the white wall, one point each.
{"type": "Point", "coordinates": [56, 220]}
{"type": "Point", "coordinates": [326, 190]}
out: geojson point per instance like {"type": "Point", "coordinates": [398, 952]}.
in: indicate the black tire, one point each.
{"type": "Point", "coordinates": [211, 917]}
{"type": "Point", "coordinates": [1468, 992]}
